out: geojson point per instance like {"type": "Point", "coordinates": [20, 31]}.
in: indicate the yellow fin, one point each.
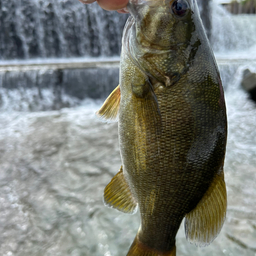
{"type": "Point", "coordinates": [204, 222]}
{"type": "Point", "coordinates": [147, 111]}
{"type": "Point", "coordinates": [117, 194]}
{"type": "Point", "coordinates": [139, 249]}
{"type": "Point", "coordinates": [110, 107]}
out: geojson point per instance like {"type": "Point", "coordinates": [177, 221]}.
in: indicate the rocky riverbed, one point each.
{"type": "Point", "coordinates": [55, 165]}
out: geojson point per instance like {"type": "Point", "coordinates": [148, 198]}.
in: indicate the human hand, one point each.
{"type": "Point", "coordinates": [110, 5]}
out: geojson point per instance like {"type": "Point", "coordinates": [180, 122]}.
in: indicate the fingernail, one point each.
{"type": "Point", "coordinates": [123, 10]}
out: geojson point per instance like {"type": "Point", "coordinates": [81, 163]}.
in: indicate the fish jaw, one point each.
{"type": "Point", "coordinates": [161, 44]}
{"type": "Point", "coordinates": [157, 25]}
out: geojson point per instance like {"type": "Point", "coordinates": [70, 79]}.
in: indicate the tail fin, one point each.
{"type": "Point", "coordinates": [139, 249]}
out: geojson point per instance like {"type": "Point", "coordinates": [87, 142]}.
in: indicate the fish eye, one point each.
{"type": "Point", "coordinates": [180, 7]}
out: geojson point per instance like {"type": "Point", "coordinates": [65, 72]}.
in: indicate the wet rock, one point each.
{"type": "Point", "coordinates": [249, 83]}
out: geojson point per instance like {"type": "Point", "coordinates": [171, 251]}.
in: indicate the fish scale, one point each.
{"type": "Point", "coordinates": [172, 128]}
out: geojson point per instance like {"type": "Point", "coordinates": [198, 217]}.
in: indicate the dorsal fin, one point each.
{"type": "Point", "coordinates": [118, 195]}
{"type": "Point", "coordinates": [205, 221]}
{"type": "Point", "coordinates": [110, 108]}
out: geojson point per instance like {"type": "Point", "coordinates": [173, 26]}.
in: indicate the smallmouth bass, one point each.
{"type": "Point", "coordinates": [172, 128]}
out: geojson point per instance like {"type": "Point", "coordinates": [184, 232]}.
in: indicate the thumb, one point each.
{"type": "Point", "coordinates": [112, 4]}
{"type": "Point", "coordinates": [87, 1]}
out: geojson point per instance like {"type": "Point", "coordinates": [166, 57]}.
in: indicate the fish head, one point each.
{"type": "Point", "coordinates": [163, 23]}
{"type": "Point", "coordinates": [166, 39]}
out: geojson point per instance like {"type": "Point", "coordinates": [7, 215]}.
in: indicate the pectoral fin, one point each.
{"type": "Point", "coordinates": [148, 115]}
{"type": "Point", "coordinates": [204, 223]}
{"type": "Point", "coordinates": [117, 194]}
{"type": "Point", "coordinates": [110, 108]}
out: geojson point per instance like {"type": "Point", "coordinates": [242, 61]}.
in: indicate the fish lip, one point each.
{"type": "Point", "coordinates": [134, 8]}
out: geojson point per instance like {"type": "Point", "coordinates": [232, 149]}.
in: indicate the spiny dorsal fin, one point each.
{"type": "Point", "coordinates": [117, 194]}
{"type": "Point", "coordinates": [139, 249]}
{"type": "Point", "coordinates": [204, 223]}
{"type": "Point", "coordinates": [110, 108]}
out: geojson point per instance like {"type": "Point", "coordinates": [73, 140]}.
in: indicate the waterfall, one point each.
{"type": "Point", "coordinates": [57, 28]}
{"type": "Point", "coordinates": [63, 28]}
{"type": "Point", "coordinates": [51, 88]}
{"type": "Point", "coordinates": [233, 34]}
{"type": "Point", "coordinates": [42, 33]}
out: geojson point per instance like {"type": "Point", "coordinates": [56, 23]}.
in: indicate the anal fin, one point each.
{"type": "Point", "coordinates": [204, 222]}
{"type": "Point", "coordinates": [110, 108]}
{"type": "Point", "coordinates": [118, 195]}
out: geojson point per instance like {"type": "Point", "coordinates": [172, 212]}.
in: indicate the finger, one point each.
{"type": "Point", "coordinates": [112, 4]}
{"type": "Point", "coordinates": [87, 1]}
{"type": "Point", "coordinates": [124, 10]}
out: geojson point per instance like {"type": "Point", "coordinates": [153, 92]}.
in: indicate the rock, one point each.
{"type": "Point", "coordinates": [249, 83]}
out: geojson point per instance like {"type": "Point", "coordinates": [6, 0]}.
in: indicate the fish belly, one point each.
{"type": "Point", "coordinates": [167, 162]}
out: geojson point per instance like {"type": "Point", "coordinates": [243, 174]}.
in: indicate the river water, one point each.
{"type": "Point", "coordinates": [55, 164]}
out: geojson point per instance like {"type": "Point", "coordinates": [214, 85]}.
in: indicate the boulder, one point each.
{"type": "Point", "coordinates": [249, 83]}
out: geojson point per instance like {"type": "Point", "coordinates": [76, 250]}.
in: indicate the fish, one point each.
{"type": "Point", "coordinates": [172, 128]}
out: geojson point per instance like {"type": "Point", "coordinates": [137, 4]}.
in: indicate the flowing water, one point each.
{"type": "Point", "coordinates": [233, 34]}
{"type": "Point", "coordinates": [55, 163]}
{"type": "Point", "coordinates": [57, 28]}
{"type": "Point", "coordinates": [54, 84]}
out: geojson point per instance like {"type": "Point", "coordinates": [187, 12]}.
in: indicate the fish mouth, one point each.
{"type": "Point", "coordinates": [150, 18]}
{"type": "Point", "coordinates": [130, 41]}
{"type": "Point", "coordinates": [136, 53]}
{"type": "Point", "coordinates": [156, 24]}
{"type": "Point", "coordinates": [135, 5]}
{"type": "Point", "coordinates": [151, 2]}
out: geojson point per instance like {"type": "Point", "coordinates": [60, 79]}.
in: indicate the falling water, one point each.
{"type": "Point", "coordinates": [35, 30]}
{"type": "Point", "coordinates": [233, 34]}
{"type": "Point", "coordinates": [50, 32]}
{"type": "Point", "coordinates": [51, 87]}
{"type": "Point", "coordinates": [57, 28]}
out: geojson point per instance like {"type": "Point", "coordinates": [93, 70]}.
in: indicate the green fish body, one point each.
{"type": "Point", "coordinates": [172, 128]}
